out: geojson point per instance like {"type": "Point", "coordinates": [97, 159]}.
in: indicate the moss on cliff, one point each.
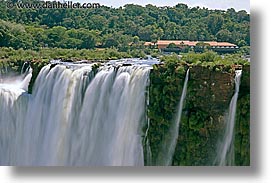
{"type": "Point", "coordinates": [202, 124]}
{"type": "Point", "coordinates": [242, 126]}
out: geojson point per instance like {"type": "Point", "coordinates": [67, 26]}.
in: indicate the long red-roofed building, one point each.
{"type": "Point", "coordinates": [163, 44]}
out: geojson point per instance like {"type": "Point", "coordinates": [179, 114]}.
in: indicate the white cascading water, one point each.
{"type": "Point", "coordinates": [54, 105]}
{"type": "Point", "coordinates": [76, 118]}
{"type": "Point", "coordinates": [13, 105]}
{"type": "Point", "coordinates": [226, 149]}
{"type": "Point", "coordinates": [110, 132]}
{"type": "Point", "coordinates": [170, 143]}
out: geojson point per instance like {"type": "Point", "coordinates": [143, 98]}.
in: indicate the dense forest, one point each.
{"type": "Point", "coordinates": [124, 28]}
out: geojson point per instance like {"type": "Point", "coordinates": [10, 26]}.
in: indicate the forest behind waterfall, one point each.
{"type": "Point", "coordinates": [120, 28]}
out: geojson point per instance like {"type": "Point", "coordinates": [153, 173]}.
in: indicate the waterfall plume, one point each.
{"type": "Point", "coordinates": [226, 149]}
{"type": "Point", "coordinates": [169, 144]}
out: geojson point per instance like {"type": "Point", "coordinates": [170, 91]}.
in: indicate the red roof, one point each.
{"type": "Point", "coordinates": [165, 43]}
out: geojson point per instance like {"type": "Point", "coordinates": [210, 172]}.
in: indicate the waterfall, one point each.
{"type": "Point", "coordinates": [170, 143]}
{"type": "Point", "coordinates": [75, 117]}
{"type": "Point", "coordinates": [113, 137]}
{"type": "Point", "coordinates": [53, 109]}
{"type": "Point", "coordinates": [146, 141]}
{"type": "Point", "coordinates": [226, 149]}
{"type": "Point", "coordinates": [13, 104]}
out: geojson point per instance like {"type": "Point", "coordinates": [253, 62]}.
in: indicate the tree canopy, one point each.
{"type": "Point", "coordinates": [119, 27]}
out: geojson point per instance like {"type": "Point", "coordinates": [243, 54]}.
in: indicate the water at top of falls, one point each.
{"type": "Point", "coordinates": [120, 62]}
{"type": "Point", "coordinates": [72, 65]}
{"type": "Point", "coordinates": [226, 149]}
{"type": "Point", "coordinates": [17, 83]}
{"type": "Point", "coordinates": [136, 61]}
{"type": "Point", "coordinates": [170, 143]}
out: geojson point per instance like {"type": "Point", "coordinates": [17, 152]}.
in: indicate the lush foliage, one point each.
{"type": "Point", "coordinates": [203, 117]}
{"type": "Point", "coordinates": [124, 28]}
{"type": "Point", "coordinates": [46, 54]}
{"type": "Point", "coordinates": [208, 59]}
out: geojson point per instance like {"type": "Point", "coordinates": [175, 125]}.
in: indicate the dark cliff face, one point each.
{"type": "Point", "coordinates": [202, 124]}
{"type": "Point", "coordinates": [36, 66]}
